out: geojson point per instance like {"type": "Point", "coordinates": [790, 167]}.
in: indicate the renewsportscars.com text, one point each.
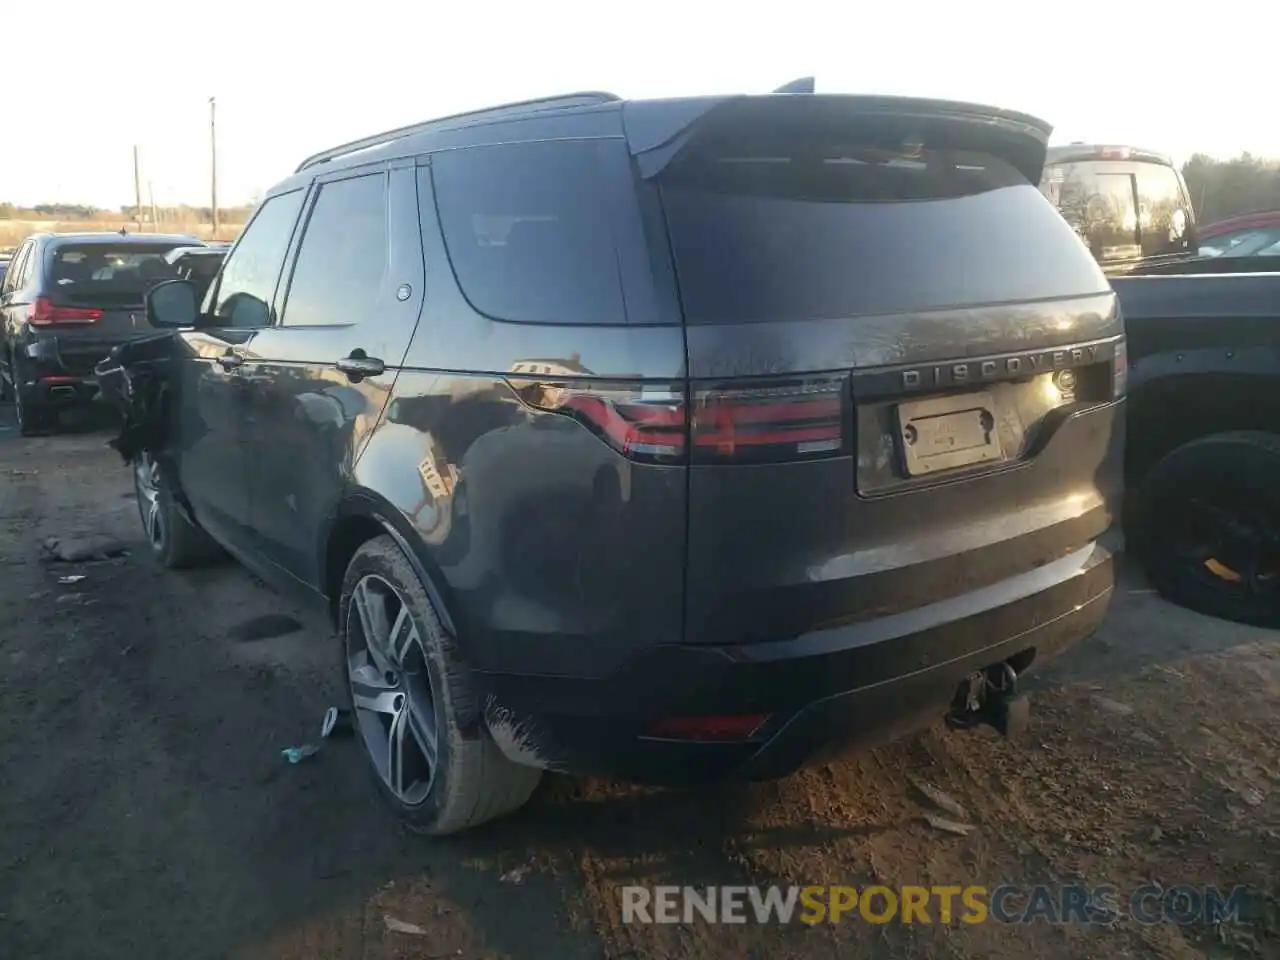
{"type": "Point", "coordinates": [970, 904]}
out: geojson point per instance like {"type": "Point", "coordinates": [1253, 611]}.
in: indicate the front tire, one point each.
{"type": "Point", "coordinates": [175, 541]}
{"type": "Point", "coordinates": [414, 704]}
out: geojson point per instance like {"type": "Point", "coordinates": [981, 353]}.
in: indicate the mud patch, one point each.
{"type": "Point", "coordinates": [264, 628]}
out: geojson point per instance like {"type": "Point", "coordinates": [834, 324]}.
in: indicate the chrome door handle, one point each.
{"type": "Point", "coordinates": [358, 366]}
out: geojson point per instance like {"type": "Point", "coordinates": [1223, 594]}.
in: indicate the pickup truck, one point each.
{"type": "Point", "coordinates": [1203, 437]}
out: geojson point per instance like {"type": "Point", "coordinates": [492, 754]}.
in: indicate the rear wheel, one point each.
{"type": "Point", "coordinates": [414, 704]}
{"type": "Point", "coordinates": [174, 540]}
{"type": "Point", "coordinates": [33, 418]}
{"type": "Point", "coordinates": [1206, 527]}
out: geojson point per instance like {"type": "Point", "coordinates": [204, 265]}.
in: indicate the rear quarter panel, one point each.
{"type": "Point", "coordinates": [554, 554]}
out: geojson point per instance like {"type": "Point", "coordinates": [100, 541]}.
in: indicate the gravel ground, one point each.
{"type": "Point", "coordinates": [147, 812]}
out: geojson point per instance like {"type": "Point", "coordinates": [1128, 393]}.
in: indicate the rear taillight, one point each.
{"type": "Point", "coordinates": [1120, 371]}
{"type": "Point", "coordinates": [797, 420]}
{"type": "Point", "coordinates": [44, 313]}
{"type": "Point", "coordinates": [640, 421]}
{"type": "Point", "coordinates": [771, 421]}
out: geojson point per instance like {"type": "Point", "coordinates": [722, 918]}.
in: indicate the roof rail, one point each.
{"type": "Point", "coordinates": [585, 98]}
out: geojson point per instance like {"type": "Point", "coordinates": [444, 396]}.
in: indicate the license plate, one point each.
{"type": "Point", "coordinates": [948, 432]}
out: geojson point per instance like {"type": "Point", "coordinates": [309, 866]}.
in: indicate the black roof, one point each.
{"type": "Point", "coordinates": [649, 126]}
{"type": "Point", "coordinates": [109, 236]}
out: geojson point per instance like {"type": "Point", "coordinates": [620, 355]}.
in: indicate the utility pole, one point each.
{"type": "Point", "coordinates": [137, 189]}
{"type": "Point", "coordinates": [151, 198]}
{"type": "Point", "coordinates": [213, 164]}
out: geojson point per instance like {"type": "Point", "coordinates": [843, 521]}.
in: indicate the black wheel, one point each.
{"type": "Point", "coordinates": [1205, 524]}
{"type": "Point", "coordinates": [414, 705]}
{"type": "Point", "coordinates": [175, 540]}
{"type": "Point", "coordinates": [33, 418]}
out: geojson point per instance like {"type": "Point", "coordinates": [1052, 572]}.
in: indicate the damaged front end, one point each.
{"type": "Point", "coordinates": [137, 379]}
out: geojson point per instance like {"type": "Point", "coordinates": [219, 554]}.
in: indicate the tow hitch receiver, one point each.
{"type": "Point", "coordinates": [991, 696]}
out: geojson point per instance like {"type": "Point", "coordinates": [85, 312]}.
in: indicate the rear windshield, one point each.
{"type": "Point", "coordinates": [107, 273]}
{"type": "Point", "coordinates": [843, 230]}
{"type": "Point", "coordinates": [1122, 209]}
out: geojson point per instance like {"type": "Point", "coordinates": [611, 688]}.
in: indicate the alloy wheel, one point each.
{"type": "Point", "coordinates": [391, 689]}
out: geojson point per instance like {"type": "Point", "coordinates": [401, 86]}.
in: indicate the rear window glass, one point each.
{"type": "Point", "coordinates": [839, 230]}
{"type": "Point", "coordinates": [107, 273]}
{"type": "Point", "coordinates": [528, 231]}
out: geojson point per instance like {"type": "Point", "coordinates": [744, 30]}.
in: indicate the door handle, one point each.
{"type": "Point", "coordinates": [358, 366]}
{"type": "Point", "coordinates": [230, 361]}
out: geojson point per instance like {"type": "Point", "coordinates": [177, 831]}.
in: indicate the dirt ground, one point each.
{"type": "Point", "coordinates": [147, 812]}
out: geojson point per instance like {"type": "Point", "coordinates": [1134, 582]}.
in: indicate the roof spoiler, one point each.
{"type": "Point", "coordinates": [803, 85]}
{"type": "Point", "coordinates": [658, 131]}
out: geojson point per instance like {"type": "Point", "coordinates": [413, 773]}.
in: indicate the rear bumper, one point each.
{"type": "Point", "coordinates": [824, 692]}
{"type": "Point", "coordinates": [60, 371]}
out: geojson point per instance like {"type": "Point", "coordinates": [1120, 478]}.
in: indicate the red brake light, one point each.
{"type": "Point", "coordinates": [640, 421]}
{"type": "Point", "coordinates": [739, 727]}
{"type": "Point", "coordinates": [799, 420]}
{"type": "Point", "coordinates": [44, 313]}
{"type": "Point", "coordinates": [763, 422]}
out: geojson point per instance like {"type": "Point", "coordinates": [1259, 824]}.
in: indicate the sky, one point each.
{"type": "Point", "coordinates": [96, 79]}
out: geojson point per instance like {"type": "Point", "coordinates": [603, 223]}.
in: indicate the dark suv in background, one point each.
{"type": "Point", "coordinates": [1129, 205]}
{"type": "Point", "coordinates": [65, 301]}
{"type": "Point", "coordinates": [666, 440]}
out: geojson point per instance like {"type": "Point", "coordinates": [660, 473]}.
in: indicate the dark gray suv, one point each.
{"type": "Point", "coordinates": [666, 440]}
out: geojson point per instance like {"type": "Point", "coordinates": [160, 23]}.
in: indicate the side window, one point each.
{"type": "Point", "coordinates": [1162, 211]}
{"type": "Point", "coordinates": [248, 279]}
{"type": "Point", "coordinates": [528, 231]}
{"type": "Point", "coordinates": [30, 271]}
{"type": "Point", "coordinates": [343, 257]}
{"type": "Point", "coordinates": [17, 267]}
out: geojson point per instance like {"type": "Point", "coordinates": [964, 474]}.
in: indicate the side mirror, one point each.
{"type": "Point", "coordinates": [174, 303]}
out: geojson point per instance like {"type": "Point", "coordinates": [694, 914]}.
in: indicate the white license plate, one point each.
{"type": "Point", "coordinates": [944, 433]}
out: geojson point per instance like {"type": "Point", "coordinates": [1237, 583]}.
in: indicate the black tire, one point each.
{"type": "Point", "coordinates": [7, 378]}
{"type": "Point", "coordinates": [1222, 491]}
{"type": "Point", "coordinates": [472, 780]}
{"type": "Point", "coordinates": [33, 419]}
{"type": "Point", "coordinates": [175, 541]}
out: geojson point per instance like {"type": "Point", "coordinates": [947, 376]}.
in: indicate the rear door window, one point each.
{"type": "Point", "coordinates": [841, 229]}
{"type": "Point", "coordinates": [342, 261]}
{"type": "Point", "coordinates": [540, 232]}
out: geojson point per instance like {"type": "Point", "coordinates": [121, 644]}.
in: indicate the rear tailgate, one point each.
{"type": "Point", "coordinates": [881, 312]}
{"type": "Point", "coordinates": [95, 298]}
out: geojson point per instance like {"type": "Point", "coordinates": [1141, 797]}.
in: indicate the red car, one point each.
{"type": "Point", "coordinates": [1248, 235]}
